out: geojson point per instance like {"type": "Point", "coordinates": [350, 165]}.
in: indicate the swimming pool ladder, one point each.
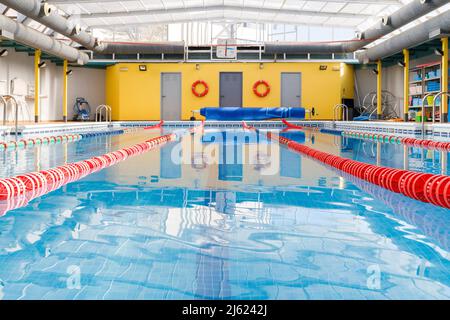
{"type": "Point", "coordinates": [99, 112]}
{"type": "Point", "coordinates": [4, 99]}
{"type": "Point", "coordinates": [425, 98]}
{"type": "Point", "coordinates": [442, 95]}
{"type": "Point", "coordinates": [344, 110]}
{"type": "Point", "coordinates": [433, 107]}
{"type": "Point", "coordinates": [311, 112]}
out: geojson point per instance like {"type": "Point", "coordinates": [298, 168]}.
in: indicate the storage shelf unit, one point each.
{"type": "Point", "coordinates": [425, 79]}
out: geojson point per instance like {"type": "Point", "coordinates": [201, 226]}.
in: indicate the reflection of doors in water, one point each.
{"type": "Point", "coordinates": [230, 161]}
{"type": "Point", "coordinates": [226, 202]}
{"type": "Point", "coordinates": [169, 169]}
{"type": "Point", "coordinates": [171, 96]}
{"type": "Point", "coordinates": [291, 89]}
{"type": "Point", "coordinates": [290, 164]}
{"type": "Point", "coordinates": [231, 89]}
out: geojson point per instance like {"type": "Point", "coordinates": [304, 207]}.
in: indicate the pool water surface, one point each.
{"type": "Point", "coordinates": [225, 214]}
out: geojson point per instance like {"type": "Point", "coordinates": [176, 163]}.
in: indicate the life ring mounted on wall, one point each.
{"type": "Point", "coordinates": [202, 93]}
{"type": "Point", "coordinates": [265, 92]}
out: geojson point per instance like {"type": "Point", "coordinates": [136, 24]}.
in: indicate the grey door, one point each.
{"type": "Point", "coordinates": [291, 89]}
{"type": "Point", "coordinates": [171, 96]}
{"type": "Point", "coordinates": [231, 89]}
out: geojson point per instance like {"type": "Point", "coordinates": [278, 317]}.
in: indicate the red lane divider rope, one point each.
{"type": "Point", "coordinates": [291, 125]}
{"type": "Point", "coordinates": [46, 181]}
{"type": "Point", "coordinates": [245, 126]}
{"type": "Point", "coordinates": [413, 142]}
{"type": "Point", "coordinates": [199, 128]}
{"type": "Point", "coordinates": [156, 126]}
{"type": "Point", "coordinates": [424, 187]}
{"type": "Point", "coordinates": [35, 184]}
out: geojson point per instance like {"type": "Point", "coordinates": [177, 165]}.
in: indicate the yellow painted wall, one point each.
{"type": "Point", "coordinates": [135, 95]}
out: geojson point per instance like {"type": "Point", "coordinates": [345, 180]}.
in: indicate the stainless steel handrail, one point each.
{"type": "Point", "coordinates": [99, 111]}
{"type": "Point", "coordinates": [440, 94]}
{"type": "Point", "coordinates": [110, 113]}
{"type": "Point", "coordinates": [5, 99]}
{"type": "Point", "coordinates": [423, 112]}
{"type": "Point", "coordinates": [344, 112]}
{"type": "Point", "coordinates": [308, 111]}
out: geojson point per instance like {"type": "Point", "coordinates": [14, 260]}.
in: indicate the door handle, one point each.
{"type": "Point", "coordinates": [163, 96]}
{"type": "Point", "coordinates": [298, 96]}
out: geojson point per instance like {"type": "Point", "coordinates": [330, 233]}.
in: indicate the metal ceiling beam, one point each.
{"type": "Point", "coordinates": [220, 18]}
{"type": "Point", "coordinates": [250, 9]}
{"type": "Point", "coordinates": [384, 2]}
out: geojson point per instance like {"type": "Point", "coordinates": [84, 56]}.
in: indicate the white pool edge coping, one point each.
{"type": "Point", "coordinates": [399, 128]}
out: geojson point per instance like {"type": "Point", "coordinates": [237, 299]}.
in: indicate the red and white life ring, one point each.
{"type": "Point", "coordinates": [202, 93]}
{"type": "Point", "coordinates": [265, 92]}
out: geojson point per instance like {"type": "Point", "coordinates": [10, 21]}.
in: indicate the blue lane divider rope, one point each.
{"type": "Point", "coordinates": [102, 133]}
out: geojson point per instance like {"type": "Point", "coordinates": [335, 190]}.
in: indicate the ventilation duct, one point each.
{"type": "Point", "coordinates": [43, 13]}
{"type": "Point", "coordinates": [310, 47]}
{"type": "Point", "coordinates": [33, 38]}
{"type": "Point", "coordinates": [422, 33]}
{"type": "Point", "coordinates": [386, 25]}
{"type": "Point", "coordinates": [48, 15]}
{"type": "Point", "coordinates": [142, 48]}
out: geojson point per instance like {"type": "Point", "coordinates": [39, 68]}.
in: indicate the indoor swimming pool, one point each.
{"type": "Point", "coordinates": [223, 214]}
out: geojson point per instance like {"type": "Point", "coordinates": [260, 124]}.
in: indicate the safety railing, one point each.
{"type": "Point", "coordinates": [433, 107]}
{"type": "Point", "coordinates": [344, 110]}
{"type": "Point", "coordinates": [5, 99]}
{"type": "Point", "coordinates": [99, 112]}
{"type": "Point", "coordinates": [311, 112]}
{"type": "Point", "coordinates": [440, 94]}
{"type": "Point", "coordinates": [423, 111]}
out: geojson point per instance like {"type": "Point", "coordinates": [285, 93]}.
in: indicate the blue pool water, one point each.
{"type": "Point", "coordinates": [226, 215]}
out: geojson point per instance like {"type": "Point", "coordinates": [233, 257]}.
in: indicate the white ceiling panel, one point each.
{"type": "Point", "coordinates": [355, 14]}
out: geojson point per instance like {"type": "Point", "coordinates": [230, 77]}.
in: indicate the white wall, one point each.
{"type": "Point", "coordinates": [89, 84]}
{"type": "Point", "coordinates": [365, 82]}
{"type": "Point", "coordinates": [392, 81]}
{"type": "Point", "coordinates": [17, 65]}
{"type": "Point", "coordinates": [84, 82]}
{"type": "Point", "coordinates": [51, 93]}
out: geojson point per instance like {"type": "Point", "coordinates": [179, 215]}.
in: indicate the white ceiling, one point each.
{"type": "Point", "coordinates": [357, 14]}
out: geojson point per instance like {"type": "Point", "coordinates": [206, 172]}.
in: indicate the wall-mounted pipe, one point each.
{"type": "Point", "coordinates": [386, 25]}
{"type": "Point", "coordinates": [35, 39]}
{"type": "Point", "coordinates": [408, 38]}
